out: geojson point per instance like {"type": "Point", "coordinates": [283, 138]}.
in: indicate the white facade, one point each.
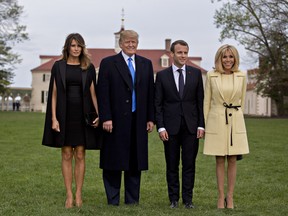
{"type": "Point", "coordinates": [255, 104]}
{"type": "Point", "coordinates": [40, 85]}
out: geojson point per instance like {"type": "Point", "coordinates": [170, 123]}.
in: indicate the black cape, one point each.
{"type": "Point", "coordinates": [52, 138]}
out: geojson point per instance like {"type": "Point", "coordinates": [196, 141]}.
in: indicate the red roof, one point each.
{"type": "Point", "coordinates": [98, 54]}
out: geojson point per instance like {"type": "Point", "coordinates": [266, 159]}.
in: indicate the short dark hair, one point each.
{"type": "Point", "coordinates": [181, 42]}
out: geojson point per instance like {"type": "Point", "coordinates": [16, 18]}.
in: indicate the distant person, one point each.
{"type": "Point", "coordinates": [13, 105]}
{"type": "Point", "coordinates": [180, 121]}
{"type": "Point", "coordinates": [18, 105]}
{"type": "Point", "coordinates": [71, 97]}
{"type": "Point", "coordinates": [225, 133]}
{"type": "Point", "coordinates": [125, 96]}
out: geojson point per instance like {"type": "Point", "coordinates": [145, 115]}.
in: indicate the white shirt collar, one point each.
{"type": "Point", "coordinates": [175, 68]}
{"type": "Point", "coordinates": [126, 57]}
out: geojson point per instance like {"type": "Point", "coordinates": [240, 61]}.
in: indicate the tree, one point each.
{"type": "Point", "coordinates": [261, 26]}
{"type": "Point", "coordinates": [11, 32]}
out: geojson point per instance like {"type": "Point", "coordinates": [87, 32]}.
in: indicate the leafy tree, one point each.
{"type": "Point", "coordinates": [11, 32]}
{"type": "Point", "coordinates": [261, 26]}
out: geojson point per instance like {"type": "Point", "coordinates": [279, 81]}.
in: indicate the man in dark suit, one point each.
{"type": "Point", "coordinates": [180, 121]}
{"type": "Point", "coordinates": [125, 93]}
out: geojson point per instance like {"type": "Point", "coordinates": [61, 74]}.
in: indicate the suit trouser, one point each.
{"type": "Point", "coordinates": [112, 183]}
{"type": "Point", "coordinates": [132, 177]}
{"type": "Point", "coordinates": [189, 144]}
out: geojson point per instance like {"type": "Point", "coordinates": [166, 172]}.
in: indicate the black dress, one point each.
{"type": "Point", "coordinates": [75, 134]}
{"type": "Point", "coordinates": [73, 100]}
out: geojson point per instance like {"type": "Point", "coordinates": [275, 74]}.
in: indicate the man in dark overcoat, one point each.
{"type": "Point", "coordinates": [125, 91]}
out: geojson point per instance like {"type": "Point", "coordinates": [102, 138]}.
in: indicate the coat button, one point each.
{"type": "Point", "coordinates": [230, 114]}
{"type": "Point", "coordinates": [127, 101]}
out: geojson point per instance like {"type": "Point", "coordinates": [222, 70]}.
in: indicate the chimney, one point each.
{"type": "Point", "coordinates": [167, 44]}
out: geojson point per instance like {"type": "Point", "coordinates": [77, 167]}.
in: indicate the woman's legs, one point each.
{"type": "Point", "coordinates": [79, 172]}
{"type": "Point", "coordinates": [231, 175]}
{"type": "Point", "coordinates": [220, 173]}
{"type": "Point", "coordinates": [67, 156]}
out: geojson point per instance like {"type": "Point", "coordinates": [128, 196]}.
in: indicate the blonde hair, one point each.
{"type": "Point", "coordinates": [84, 57]}
{"type": "Point", "coordinates": [128, 33]}
{"type": "Point", "coordinates": [219, 55]}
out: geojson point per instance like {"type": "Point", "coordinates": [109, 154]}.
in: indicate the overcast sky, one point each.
{"type": "Point", "coordinates": [49, 22]}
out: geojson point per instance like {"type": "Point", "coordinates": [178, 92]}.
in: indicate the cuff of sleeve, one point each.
{"type": "Point", "coordinates": [201, 128]}
{"type": "Point", "coordinates": [161, 129]}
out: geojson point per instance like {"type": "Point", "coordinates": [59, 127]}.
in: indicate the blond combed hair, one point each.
{"type": "Point", "coordinates": [128, 33]}
{"type": "Point", "coordinates": [219, 55]}
{"type": "Point", "coordinates": [84, 57]}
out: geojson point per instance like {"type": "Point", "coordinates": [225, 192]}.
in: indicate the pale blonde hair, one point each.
{"type": "Point", "coordinates": [219, 55]}
{"type": "Point", "coordinates": [128, 33]}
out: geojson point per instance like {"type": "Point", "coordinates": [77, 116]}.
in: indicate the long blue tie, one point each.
{"type": "Point", "coordinates": [132, 72]}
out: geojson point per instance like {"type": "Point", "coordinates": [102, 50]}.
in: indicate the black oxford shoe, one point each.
{"type": "Point", "coordinates": [189, 205]}
{"type": "Point", "coordinates": [174, 204]}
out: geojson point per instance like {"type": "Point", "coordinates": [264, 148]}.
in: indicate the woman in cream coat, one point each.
{"type": "Point", "coordinates": [225, 132]}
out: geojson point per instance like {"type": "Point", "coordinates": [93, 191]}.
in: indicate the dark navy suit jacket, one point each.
{"type": "Point", "coordinates": [170, 107]}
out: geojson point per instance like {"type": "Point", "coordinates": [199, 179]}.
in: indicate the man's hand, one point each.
{"type": "Point", "coordinates": [108, 126]}
{"type": "Point", "coordinates": [150, 126]}
{"type": "Point", "coordinates": [164, 135]}
{"type": "Point", "coordinates": [200, 133]}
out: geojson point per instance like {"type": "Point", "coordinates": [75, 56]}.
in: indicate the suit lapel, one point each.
{"type": "Point", "coordinates": [188, 81]}
{"type": "Point", "coordinates": [138, 69]}
{"type": "Point", "coordinates": [171, 80]}
{"type": "Point", "coordinates": [123, 70]}
{"type": "Point", "coordinates": [62, 68]}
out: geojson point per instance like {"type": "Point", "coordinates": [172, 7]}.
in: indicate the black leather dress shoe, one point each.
{"type": "Point", "coordinates": [174, 204]}
{"type": "Point", "coordinates": [189, 205]}
{"type": "Point", "coordinates": [132, 203]}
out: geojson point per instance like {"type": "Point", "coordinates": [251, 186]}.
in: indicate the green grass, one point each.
{"type": "Point", "coordinates": [31, 181]}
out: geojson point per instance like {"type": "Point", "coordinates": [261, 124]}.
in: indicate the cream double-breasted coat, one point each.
{"type": "Point", "coordinates": [221, 138]}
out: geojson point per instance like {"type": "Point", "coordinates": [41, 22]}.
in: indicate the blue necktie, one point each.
{"type": "Point", "coordinates": [181, 82]}
{"type": "Point", "coordinates": [132, 72]}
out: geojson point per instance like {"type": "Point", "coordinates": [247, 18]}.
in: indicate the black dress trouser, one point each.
{"type": "Point", "coordinates": [189, 145]}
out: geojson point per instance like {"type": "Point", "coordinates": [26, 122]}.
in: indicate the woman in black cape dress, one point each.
{"type": "Point", "coordinates": [71, 96]}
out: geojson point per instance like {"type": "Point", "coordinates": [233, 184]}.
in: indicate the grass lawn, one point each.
{"type": "Point", "coordinates": [31, 182]}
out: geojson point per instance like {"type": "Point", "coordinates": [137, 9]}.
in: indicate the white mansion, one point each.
{"type": "Point", "coordinates": [255, 105]}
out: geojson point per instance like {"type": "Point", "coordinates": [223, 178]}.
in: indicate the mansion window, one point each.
{"type": "Point", "coordinates": [164, 61]}
{"type": "Point", "coordinates": [44, 96]}
{"type": "Point", "coordinates": [46, 77]}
